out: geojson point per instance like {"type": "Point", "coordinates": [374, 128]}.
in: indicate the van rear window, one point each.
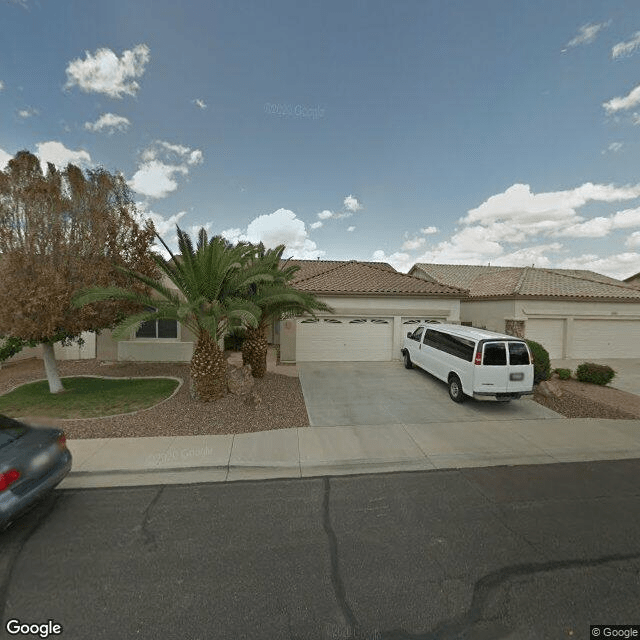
{"type": "Point", "coordinates": [495, 354]}
{"type": "Point", "coordinates": [518, 353]}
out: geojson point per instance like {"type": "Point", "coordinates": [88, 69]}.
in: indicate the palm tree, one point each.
{"type": "Point", "coordinates": [206, 279]}
{"type": "Point", "coordinates": [277, 300]}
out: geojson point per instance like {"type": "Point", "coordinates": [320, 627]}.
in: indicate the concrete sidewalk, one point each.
{"type": "Point", "coordinates": [314, 451]}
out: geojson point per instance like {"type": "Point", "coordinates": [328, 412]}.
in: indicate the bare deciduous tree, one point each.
{"type": "Point", "coordinates": [62, 231]}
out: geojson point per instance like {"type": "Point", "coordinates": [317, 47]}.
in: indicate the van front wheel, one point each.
{"type": "Point", "coordinates": [455, 389]}
{"type": "Point", "coordinates": [407, 361]}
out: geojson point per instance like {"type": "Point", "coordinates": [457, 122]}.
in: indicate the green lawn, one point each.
{"type": "Point", "coordinates": [86, 397]}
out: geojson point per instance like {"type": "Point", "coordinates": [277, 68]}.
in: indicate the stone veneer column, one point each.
{"type": "Point", "coordinates": [514, 328]}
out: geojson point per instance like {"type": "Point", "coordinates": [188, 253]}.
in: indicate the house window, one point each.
{"type": "Point", "coordinates": [158, 329]}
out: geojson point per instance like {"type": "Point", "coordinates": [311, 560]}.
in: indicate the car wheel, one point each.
{"type": "Point", "coordinates": [407, 361]}
{"type": "Point", "coordinates": [455, 389]}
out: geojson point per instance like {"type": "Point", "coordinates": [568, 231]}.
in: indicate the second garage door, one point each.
{"type": "Point", "coordinates": [606, 339]}
{"type": "Point", "coordinates": [344, 339]}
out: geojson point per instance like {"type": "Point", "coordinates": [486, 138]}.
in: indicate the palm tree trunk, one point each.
{"type": "Point", "coordinates": [208, 370]}
{"type": "Point", "coordinates": [254, 350]}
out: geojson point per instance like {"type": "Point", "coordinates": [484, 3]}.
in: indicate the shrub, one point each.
{"type": "Point", "coordinates": [595, 373]}
{"type": "Point", "coordinates": [563, 374]}
{"type": "Point", "coordinates": [541, 362]}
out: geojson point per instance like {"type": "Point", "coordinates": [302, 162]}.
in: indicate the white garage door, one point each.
{"type": "Point", "coordinates": [606, 339]}
{"type": "Point", "coordinates": [548, 332]}
{"type": "Point", "coordinates": [344, 339]}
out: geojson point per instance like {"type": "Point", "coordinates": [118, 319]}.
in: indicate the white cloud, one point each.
{"type": "Point", "coordinates": [529, 256]}
{"type": "Point", "coordinates": [400, 261]}
{"type": "Point", "coordinates": [155, 179]}
{"type": "Point", "coordinates": [429, 230]}
{"type": "Point", "coordinates": [105, 73]}
{"type": "Point", "coordinates": [27, 113]}
{"type": "Point", "coordinates": [316, 225]}
{"type": "Point", "coordinates": [593, 228]}
{"type": "Point", "coordinates": [1, 85]}
{"type": "Point", "coordinates": [613, 147]}
{"type": "Point", "coordinates": [623, 103]}
{"type": "Point", "coordinates": [326, 214]}
{"type": "Point", "coordinates": [586, 34]}
{"type": "Point", "coordinates": [633, 240]}
{"type": "Point", "coordinates": [200, 103]}
{"type": "Point", "coordinates": [163, 225]}
{"type": "Point", "coordinates": [160, 164]}
{"type": "Point", "coordinates": [59, 155]}
{"type": "Point", "coordinates": [626, 219]}
{"type": "Point", "coordinates": [519, 205]}
{"type": "Point", "coordinates": [625, 49]}
{"type": "Point", "coordinates": [280, 227]}
{"type": "Point", "coordinates": [415, 243]}
{"type": "Point", "coordinates": [615, 266]}
{"type": "Point", "coordinates": [351, 229]}
{"type": "Point", "coordinates": [4, 159]}
{"type": "Point", "coordinates": [352, 204]}
{"type": "Point", "coordinates": [108, 122]}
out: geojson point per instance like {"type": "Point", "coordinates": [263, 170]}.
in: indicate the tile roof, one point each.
{"type": "Point", "coordinates": [503, 282]}
{"type": "Point", "coordinates": [360, 278]}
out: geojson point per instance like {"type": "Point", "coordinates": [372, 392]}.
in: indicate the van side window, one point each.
{"type": "Point", "coordinates": [417, 334]}
{"type": "Point", "coordinates": [518, 353]}
{"type": "Point", "coordinates": [459, 347]}
{"type": "Point", "coordinates": [495, 354]}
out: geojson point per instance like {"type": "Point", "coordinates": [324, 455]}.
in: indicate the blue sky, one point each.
{"type": "Point", "coordinates": [503, 132]}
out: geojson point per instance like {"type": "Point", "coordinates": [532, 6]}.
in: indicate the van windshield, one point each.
{"type": "Point", "coordinates": [518, 353]}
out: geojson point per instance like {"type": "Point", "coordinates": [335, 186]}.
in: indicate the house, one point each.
{"type": "Point", "coordinates": [573, 313]}
{"type": "Point", "coordinates": [633, 281]}
{"type": "Point", "coordinates": [374, 306]}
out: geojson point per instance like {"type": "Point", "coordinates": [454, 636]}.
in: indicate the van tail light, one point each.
{"type": "Point", "coordinates": [8, 478]}
{"type": "Point", "coordinates": [478, 359]}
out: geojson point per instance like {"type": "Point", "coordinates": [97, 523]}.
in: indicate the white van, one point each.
{"type": "Point", "coordinates": [473, 362]}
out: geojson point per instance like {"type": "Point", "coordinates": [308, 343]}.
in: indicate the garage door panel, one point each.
{"type": "Point", "coordinates": [344, 339]}
{"type": "Point", "coordinates": [548, 332]}
{"type": "Point", "coordinates": [606, 339]}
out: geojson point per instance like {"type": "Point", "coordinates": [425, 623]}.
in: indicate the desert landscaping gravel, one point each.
{"type": "Point", "coordinates": [281, 403]}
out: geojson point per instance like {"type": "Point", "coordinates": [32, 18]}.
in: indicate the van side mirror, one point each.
{"type": "Point", "coordinates": [409, 334]}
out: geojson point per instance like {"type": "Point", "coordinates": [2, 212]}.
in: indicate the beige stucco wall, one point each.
{"type": "Point", "coordinates": [488, 314]}
{"type": "Point", "coordinates": [396, 307]}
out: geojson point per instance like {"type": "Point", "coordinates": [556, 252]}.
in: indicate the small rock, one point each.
{"type": "Point", "coordinates": [252, 400]}
{"type": "Point", "coordinates": [550, 389]}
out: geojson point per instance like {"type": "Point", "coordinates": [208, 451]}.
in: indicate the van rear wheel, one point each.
{"type": "Point", "coordinates": [455, 389]}
{"type": "Point", "coordinates": [407, 361]}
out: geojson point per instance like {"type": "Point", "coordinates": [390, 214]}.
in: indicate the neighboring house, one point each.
{"type": "Point", "coordinates": [633, 281]}
{"type": "Point", "coordinates": [374, 308]}
{"type": "Point", "coordinates": [573, 313]}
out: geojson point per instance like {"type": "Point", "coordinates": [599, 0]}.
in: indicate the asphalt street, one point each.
{"type": "Point", "coordinates": [501, 552]}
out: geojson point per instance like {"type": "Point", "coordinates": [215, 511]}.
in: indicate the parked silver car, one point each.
{"type": "Point", "coordinates": [33, 460]}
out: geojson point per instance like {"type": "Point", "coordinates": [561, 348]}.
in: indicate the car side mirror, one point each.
{"type": "Point", "coordinates": [409, 334]}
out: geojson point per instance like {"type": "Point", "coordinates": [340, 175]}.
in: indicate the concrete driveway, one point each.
{"type": "Point", "coordinates": [385, 393]}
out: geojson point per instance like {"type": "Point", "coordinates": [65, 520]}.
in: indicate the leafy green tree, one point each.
{"type": "Point", "coordinates": [206, 279]}
{"type": "Point", "coordinates": [61, 232]}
